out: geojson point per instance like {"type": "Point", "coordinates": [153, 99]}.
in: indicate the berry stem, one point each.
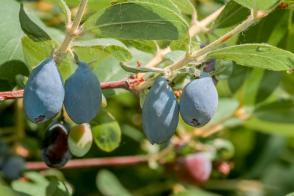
{"type": "Point", "coordinates": [127, 84]}
{"type": "Point", "coordinates": [221, 40]}
{"type": "Point", "coordinates": [72, 31]}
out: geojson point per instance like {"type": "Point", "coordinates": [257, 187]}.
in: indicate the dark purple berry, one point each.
{"type": "Point", "coordinates": [55, 147]}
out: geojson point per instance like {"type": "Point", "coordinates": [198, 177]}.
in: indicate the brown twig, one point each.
{"type": "Point", "coordinates": [127, 84]}
{"type": "Point", "coordinates": [95, 162]}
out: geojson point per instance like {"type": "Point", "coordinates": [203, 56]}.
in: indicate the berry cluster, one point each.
{"type": "Point", "coordinates": [81, 95]}
{"type": "Point", "coordinates": [44, 96]}
{"type": "Point", "coordinates": [45, 93]}
{"type": "Point", "coordinates": [198, 104]}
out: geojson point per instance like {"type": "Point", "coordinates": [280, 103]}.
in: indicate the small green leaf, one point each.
{"type": "Point", "coordinates": [131, 69]}
{"type": "Point", "coordinates": [257, 4]}
{"type": "Point", "coordinates": [111, 46]}
{"type": "Point", "coordinates": [138, 20]}
{"type": "Point", "coordinates": [30, 28]}
{"type": "Point", "coordinates": [106, 178]}
{"type": "Point", "coordinates": [10, 69]}
{"type": "Point", "coordinates": [232, 14]}
{"type": "Point", "coordinates": [256, 55]}
{"type": "Point", "coordinates": [106, 131]}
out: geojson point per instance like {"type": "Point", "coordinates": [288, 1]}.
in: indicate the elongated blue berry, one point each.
{"type": "Point", "coordinates": [198, 102]}
{"type": "Point", "coordinates": [44, 92]}
{"type": "Point", "coordinates": [160, 112]}
{"type": "Point", "coordinates": [83, 95]}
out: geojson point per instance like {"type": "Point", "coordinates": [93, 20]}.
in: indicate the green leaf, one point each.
{"type": "Point", "coordinates": [259, 85]}
{"type": "Point", "coordinates": [237, 78]}
{"type": "Point", "coordinates": [38, 185]}
{"type": "Point", "coordinates": [5, 190]}
{"type": "Point", "coordinates": [226, 108]}
{"type": "Point", "coordinates": [10, 69]}
{"type": "Point", "coordinates": [92, 4]}
{"type": "Point", "coordinates": [138, 20]}
{"type": "Point", "coordinates": [270, 30]}
{"type": "Point", "coordinates": [251, 86]}
{"type": "Point", "coordinates": [284, 129]}
{"type": "Point", "coordinates": [269, 82]}
{"type": "Point", "coordinates": [232, 14]}
{"type": "Point", "coordinates": [111, 46]}
{"type": "Point", "coordinates": [10, 31]}
{"type": "Point", "coordinates": [35, 52]}
{"type": "Point", "coordinates": [280, 111]}
{"type": "Point", "coordinates": [104, 65]}
{"type": "Point", "coordinates": [30, 28]}
{"type": "Point", "coordinates": [165, 3]}
{"type": "Point", "coordinates": [106, 178]}
{"type": "Point", "coordinates": [106, 132]}
{"type": "Point", "coordinates": [257, 4]}
{"type": "Point", "coordinates": [143, 45]}
{"type": "Point", "coordinates": [256, 55]}
{"type": "Point", "coordinates": [185, 6]}
{"type": "Point", "coordinates": [287, 83]}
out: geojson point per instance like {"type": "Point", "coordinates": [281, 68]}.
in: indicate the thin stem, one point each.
{"type": "Point", "coordinates": [95, 162]}
{"type": "Point", "coordinates": [127, 84]}
{"type": "Point", "coordinates": [202, 52]}
{"type": "Point", "coordinates": [71, 33]}
{"type": "Point", "coordinates": [196, 28]}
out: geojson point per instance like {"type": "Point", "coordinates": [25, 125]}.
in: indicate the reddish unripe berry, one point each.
{"type": "Point", "coordinates": [194, 168]}
{"type": "Point", "coordinates": [199, 166]}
